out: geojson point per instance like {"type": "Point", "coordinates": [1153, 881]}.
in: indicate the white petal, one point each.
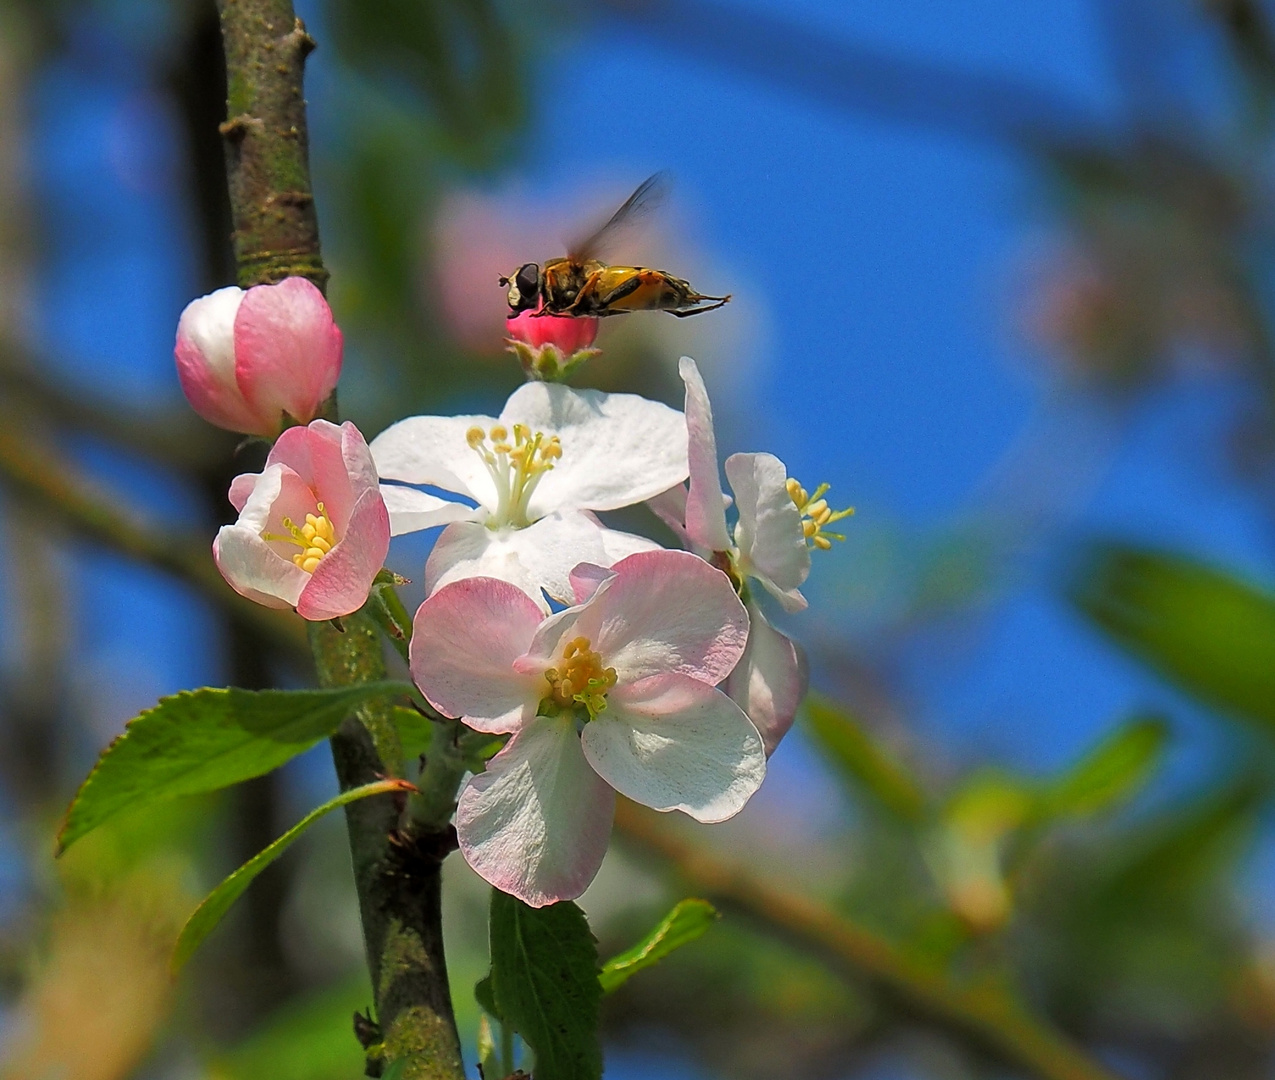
{"type": "Point", "coordinates": [770, 679]}
{"type": "Point", "coordinates": [705, 503]}
{"type": "Point", "coordinates": [540, 556]}
{"type": "Point", "coordinates": [620, 545]}
{"type": "Point", "coordinates": [433, 450]}
{"type": "Point", "coordinates": [209, 323]}
{"type": "Point", "coordinates": [255, 570]}
{"type": "Point", "coordinates": [670, 507]}
{"type": "Point", "coordinates": [537, 822]}
{"type": "Point", "coordinates": [617, 449]}
{"type": "Point", "coordinates": [255, 512]}
{"type": "Point", "coordinates": [412, 510]}
{"type": "Point", "coordinates": [673, 743]}
{"type": "Point", "coordinates": [771, 544]}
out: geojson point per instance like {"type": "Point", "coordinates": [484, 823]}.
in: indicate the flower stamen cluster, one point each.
{"type": "Point", "coordinates": [516, 468]}
{"type": "Point", "coordinates": [315, 539]}
{"type": "Point", "coordinates": [816, 514]}
{"type": "Point", "coordinates": [580, 680]}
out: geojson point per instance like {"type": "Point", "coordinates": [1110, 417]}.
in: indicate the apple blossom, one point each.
{"type": "Point", "coordinates": [537, 472]}
{"type": "Point", "coordinates": [551, 347]}
{"type": "Point", "coordinates": [253, 360]}
{"type": "Point", "coordinates": [313, 531]}
{"type": "Point", "coordinates": [778, 522]}
{"type": "Point", "coordinates": [617, 693]}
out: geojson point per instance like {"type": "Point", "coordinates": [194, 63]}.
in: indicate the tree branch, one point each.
{"type": "Point", "coordinates": [397, 859]}
{"type": "Point", "coordinates": [984, 1015]}
{"type": "Point", "coordinates": [38, 477]}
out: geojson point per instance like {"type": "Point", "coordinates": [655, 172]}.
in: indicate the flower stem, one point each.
{"type": "Point", "coordinates": [397, 858]}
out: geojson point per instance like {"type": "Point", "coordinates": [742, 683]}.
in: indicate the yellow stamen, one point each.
{"type": "Point", "coordinates": [315, 539]}
{"type": "Point", "coordinates": [816, 514]}
{"type": "Point", "coordinates": [515, 467]}
{"type": "Point", "coordinates": [581, 680]}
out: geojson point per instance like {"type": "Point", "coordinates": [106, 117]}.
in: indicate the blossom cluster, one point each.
{"type": "Point", "coordinates": [610, 663]}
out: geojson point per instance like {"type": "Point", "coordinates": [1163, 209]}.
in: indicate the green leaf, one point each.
{"type": "Point", "coordinates": [203, 740]}
{"type": "Point", "coordinates": [846, 743]}
{"type": "Point", "coordinates": [1111, 772]}
{"type": "Point", "coordinates": [1207, 631]}
{"type": "Point", "coordinates": [396, 1070]}
{"type": "Point", "coordinates": [415, 731]}
{"type": "Point", "coordinates": [218, 902]}
{"type": "Point", "coordinates": [485, 998]}
{"type": "Point", "coordinates": [686, 922]}
{"type": "Point", "coordinates": [544, 979]}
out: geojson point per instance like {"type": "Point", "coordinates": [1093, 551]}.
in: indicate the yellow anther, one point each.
{"type": "Point", "coordinates": [515, 466]}
{"type": "Point", "coordinates": [581, 679]}
{"type": "Point", "coordinates": [816, 514]}
{"type": "Point", "coordinates": [315, 538]}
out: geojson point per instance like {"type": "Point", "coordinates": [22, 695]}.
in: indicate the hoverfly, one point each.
{"type": "Point", "coordinates": [580, 285]}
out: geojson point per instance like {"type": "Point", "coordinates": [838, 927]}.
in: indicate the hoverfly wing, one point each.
{"type": "Point", "coordinates": [649, 194]}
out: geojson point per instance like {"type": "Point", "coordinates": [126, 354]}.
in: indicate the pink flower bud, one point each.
{"type": "Point", "coordinates": [313, 531]}
{"type": "Point", "coordinates": [551, 346]}
{"type": "Point", "coordinates": [248, 361]}
{"type": "Point", "coordinates": [569, 334]}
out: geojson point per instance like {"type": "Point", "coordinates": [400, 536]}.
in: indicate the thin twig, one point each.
{"type": "Point", "coordinates": [984, 1015]}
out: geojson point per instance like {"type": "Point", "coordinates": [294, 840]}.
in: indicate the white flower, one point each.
{"type": "Point", "coordinates": [537, 472]}
{"type": "Point", "coordinates": [777, 523]}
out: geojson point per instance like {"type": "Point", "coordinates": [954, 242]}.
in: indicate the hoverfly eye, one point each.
{"type": "Point", "coordinates": [528, 281]}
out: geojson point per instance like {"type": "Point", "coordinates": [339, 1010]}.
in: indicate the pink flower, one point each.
{"type": "Point", "coordinates": [567, 334]}
{"type": "Point", "coordinates": [249, 361]}
{"type": "Point", "coordinates": [615, 694]}
{"type": "Point", "coordinates": [313, 530]}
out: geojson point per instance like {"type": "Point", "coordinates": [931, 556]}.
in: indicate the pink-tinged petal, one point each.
{"type": "Point", "coordinates": [357, 455]}
{"type": "Point", "coordinates": [672, 743]}
{"type": "Point", "coordinates": [617, 449]}
{"type": "Point", "coordinates": [253, 569]}
{"type": "Point", "coordinates": [705, 503]}
{"type": "Point", "coordinates": [770, 680]}
{"type": "Point", "coordinates": [287, 349]}
{"type": "Point", "coordinates": [465, 639]}
{"type": "Point", "coordinates": [586, 578]}
{"type": "Point", "coordinates": [434, 450]}
{"type": "Point", "coordinates": [341, 582]}
{"type": "Point", "coordinates": [316, 454]}
{"type": "Point", "coordinates": [205, 355]}
{"type": "Point", "coordinates": [772, 546]}
{"type": "Point", "coordinates": [666, 611]}
{"type": "Point", "coordinates": [536, 824]}
{"type": "Point", "coordinates": [670, 507]}
{"type": "Point", "coordinates": [412, 510]}
{"type": "Point", "coordinates": [241, 487]}
{"type": "Point", "coordinates": [539, 557]}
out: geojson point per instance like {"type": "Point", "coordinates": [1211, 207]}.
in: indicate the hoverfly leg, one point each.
{"type": "Point", "coordinates": [721, 301]}
{"type": "Point", "coordinates": [626, 288]}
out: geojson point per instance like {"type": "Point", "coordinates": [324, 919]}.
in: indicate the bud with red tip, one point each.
{"type": "Point", "coordinates": [551, 347]}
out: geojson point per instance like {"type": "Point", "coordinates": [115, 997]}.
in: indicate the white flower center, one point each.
{"type": "Point", "coordinates": [515, 468]}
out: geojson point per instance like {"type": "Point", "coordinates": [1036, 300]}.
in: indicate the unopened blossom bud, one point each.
{"type": "Point", "coordinates": [313, 530]}
{"type": "Point", "coordinates": [550, 347]}
{"type": "Point", "coordinates": [254, 361]}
